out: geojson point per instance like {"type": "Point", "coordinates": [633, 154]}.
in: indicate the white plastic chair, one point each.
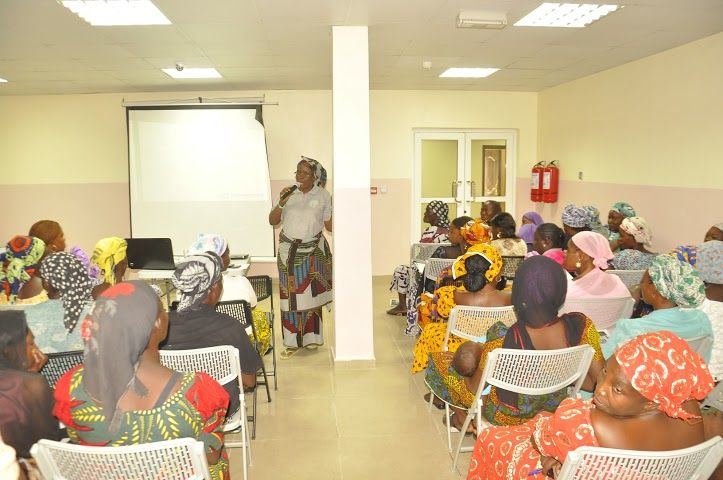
{"type": "Point", "coordinates": [178, 459]}
{"type": "Point", "coordinates": [528, 372]}
{"type": "Point", "coordinates": [420, 252]}
{"type": "Point", "coordinates": [604, 312]}
{"type": "Point", "coordinates": [715, 398]}
{"type": "Point", "coordinates": [435, 265]}
{"type": "Point", "coordinates": [471, 323]}
{"type": "Point", "coordinates": [223, 365]}
{"type": "Point", "coordinates": [631, 278]}
{"type": "Point", "coordinates": [598, 463]}
{"type": "Point", "coordinates": [702, 345]}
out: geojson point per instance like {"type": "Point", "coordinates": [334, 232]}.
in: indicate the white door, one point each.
{"type": "Point", "coordinates": [463, 169]}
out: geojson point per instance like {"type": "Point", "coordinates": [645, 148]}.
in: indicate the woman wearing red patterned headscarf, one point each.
{"type": "Point", "coordinates": [645, 399]}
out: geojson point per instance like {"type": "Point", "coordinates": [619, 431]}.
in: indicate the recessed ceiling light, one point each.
{"type": "Point", "coordinates": [192, 72]}
{"type": "Point", "coordinates": [576, 15]}
{"type": "Point", "coordinates": [459, 72]}
{"type": "Point", "coordinates": [117, 12]}
{"type": "Point", "coordinates": [2, 80]}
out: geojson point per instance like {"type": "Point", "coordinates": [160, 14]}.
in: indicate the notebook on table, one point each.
{"type": "Point", "coordinates": [150, 254]}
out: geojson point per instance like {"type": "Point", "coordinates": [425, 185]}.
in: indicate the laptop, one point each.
{"type": "Point", "coordinates": [150, 254]}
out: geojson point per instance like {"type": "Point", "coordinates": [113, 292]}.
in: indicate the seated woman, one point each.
{"type": "Point", "coordinates": [587, 257]}
{"type": "Point", "coordinates": [50, 232]}
{"type": "Point", "coordinates": [437, 216]}
{"type": "Point", "coordinates": [574, 220]}
{"type": "Point", "coordinates": [548, 242]}
{"type": "Point", "coordinates": [109, 255]}
{"type": "Point", "coordinates": [635, 238]}
{"type": "Point", "coordinates": [19, 278]}
{"type": "Point", "coordinates": [618, 212]}
{"type": "Point", "coordinates": [637, 406]}
{"type": "Point", "coordinates": [122, 395]}
{"type": "Point", "coordinates": [674, 290]}
{"type": "Point", "coordinates": [502, 231]}
{"type": "Point", "coordinates": [54, 321]}
{"type": "Point", "coordinates": [488, 210]}
{"type": "Point", "coordinates": [714, 233]}
{"type": "Point", "coordinates": [595, 223]}
{"type": "Point", "coordinates": [537, 294]}
{"type": "Point", "coordinates": [235, 287]}
{"type": "Point", "coordinates": [479, 271]}
{"type": "Point", "coordinates": [459, 235]}
{"type": "Point", "coordinates": [530, 222]}
{"type": "Point", "coordinates": [26, 400]}
{"type": "Point", "coordinates": [196, 323]}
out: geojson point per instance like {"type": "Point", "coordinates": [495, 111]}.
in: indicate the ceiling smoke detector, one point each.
{"type": "Point", "coordinates": [473, 19]}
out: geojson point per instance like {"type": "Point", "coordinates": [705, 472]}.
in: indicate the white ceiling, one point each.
{"type": "Point", "coordinates": [286, 44]}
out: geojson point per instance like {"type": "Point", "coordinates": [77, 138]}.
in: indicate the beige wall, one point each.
{"type": "Point", "coordinates": [649, 133]}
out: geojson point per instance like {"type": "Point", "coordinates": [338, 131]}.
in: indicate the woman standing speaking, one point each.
{"type": "Point", "coordinates": [304, 258]}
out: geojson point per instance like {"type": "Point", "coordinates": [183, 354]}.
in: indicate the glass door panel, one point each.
{"type": "Point", "coordinates": [439, 168]}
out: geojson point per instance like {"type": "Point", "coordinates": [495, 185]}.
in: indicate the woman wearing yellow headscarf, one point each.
{"type": "Point", "coordinates": [109, 255]}
{"type": "Point", "coordinates": [479, 270]}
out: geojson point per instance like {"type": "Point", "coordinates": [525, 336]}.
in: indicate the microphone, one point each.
{"type": "Point", "coordinates": [289, 192]}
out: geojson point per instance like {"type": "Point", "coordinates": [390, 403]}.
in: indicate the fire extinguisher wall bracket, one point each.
{"type": "Point", "coordinates": [550, 182]}
{"type": "Point", "coordinates": [536, 182]}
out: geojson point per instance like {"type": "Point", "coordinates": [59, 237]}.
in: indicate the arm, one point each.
{"type": "Point", "coordinates": [328, 224]}
{"type": "Point", "coordinates": [275, 213]}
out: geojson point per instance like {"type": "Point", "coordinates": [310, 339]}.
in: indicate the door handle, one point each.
{"type": "Point", "coordinates": [473, 188]}
{"type": "Point", "coordinates": [455, 189]}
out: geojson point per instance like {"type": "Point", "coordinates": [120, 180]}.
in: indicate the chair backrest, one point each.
{"type": "Point", "coordinates": [603, 312]}
{"type": "Point", "coordinates": [715, 398]}
{"type": "Point", "coordinates": [179, 459]}
{"type": "Point", "coordinates": [261, 285]}
{"type": "Point", "coordinates": [631, 278]}
{"type": "Point", "coordinates": [238, 309]}
{"type": "Point", "coordinates": [222, 363]}
{"type": "Point", "coordinates": [597, 463]}
{"type": "Point", "coordinates": [12, 306]}
{"type": "Point", "coordinates": [59, 363]}
{"type": "Point", "coordinates": [510, 264]}
{"type": "Point", "coordinates": [435, 265]}
{"type": "Point", "coordinates": [537, 372]}
{"type": "Point", "coordinates": [420, 252]}
{"type": "Point", "coordinates": [472, 323]}
{"type": "Point", "coordinates": [701, 345]}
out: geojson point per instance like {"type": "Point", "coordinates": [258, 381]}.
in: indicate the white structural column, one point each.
{"type": "Point", "coordinates": [353, 327]}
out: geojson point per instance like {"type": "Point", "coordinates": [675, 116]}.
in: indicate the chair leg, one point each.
{"type": "Point", "coordinates": [253, 414]}
{"type": "Point", "coordinates": [273, 355]}
{"type": "Point", "coordinates": [266, 380]}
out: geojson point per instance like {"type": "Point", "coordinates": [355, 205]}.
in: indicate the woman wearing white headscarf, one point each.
{"type": "Point", "coordinates": [635, 239]}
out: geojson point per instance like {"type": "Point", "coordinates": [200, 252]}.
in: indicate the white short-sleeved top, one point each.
{"type": "Point", "coordinates": [304, 214]}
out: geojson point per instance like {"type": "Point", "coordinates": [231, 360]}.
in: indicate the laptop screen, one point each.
{"type": "Point", "coordinates": [150, 253]}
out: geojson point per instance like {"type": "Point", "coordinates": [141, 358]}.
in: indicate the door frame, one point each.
{"type": "Point", "coordinates": [464, 137]}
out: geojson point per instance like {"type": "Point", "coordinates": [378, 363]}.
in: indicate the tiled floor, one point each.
{"type": "Point", "coordinates": [329, 423]}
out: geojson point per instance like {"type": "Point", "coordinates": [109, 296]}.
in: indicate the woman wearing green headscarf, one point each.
{"type": "Point", "coordinates": [618, 212]}
{"type": "Point", "coordinates": [674, 290]}
{"type": "Point", "coordinates": [19, 264]}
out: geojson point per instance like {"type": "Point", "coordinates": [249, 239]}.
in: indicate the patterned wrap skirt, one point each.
{"type": "Point", "coordinates": [304, 287]}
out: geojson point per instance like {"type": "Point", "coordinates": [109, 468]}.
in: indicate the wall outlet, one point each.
{"type": "Point", "coordinates": [579, 175]}
{"type": "Point", "coordinates": [382, 189]}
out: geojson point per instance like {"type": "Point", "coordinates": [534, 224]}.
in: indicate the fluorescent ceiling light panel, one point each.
{"type": "Point", "coordinates": [2, 80]}
{"type": "Point", "coordinates": [575, 15]}
{"type": "Point", "coordinates": [117, 12]}
{"type": "Point", "coordinates": [192, 73]}
{"type": "Point", "coordinates": [459, 72]}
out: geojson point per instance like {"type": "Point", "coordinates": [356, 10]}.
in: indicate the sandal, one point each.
{"type": "Point", "coordinates": [452, 428]}
{"type": "Point", "coordinates": [288, 352]}
{"type": "Point", "coordinates": [397, 312]}
{"type": "Point", "coordinates": [436, 402]}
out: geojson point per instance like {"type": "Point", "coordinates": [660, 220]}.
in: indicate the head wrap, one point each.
{"type": "Point", "coordinates": [117, 333]}
{"type": "Point", "coordinates": [624, 208]}
{"type": "Point", "coordinates": [527, 230]}
{"type": "Point", "coordinates": [441, 211]}
{"type": "Point", "coordinates": [719, 226]}
{"type": "Point", "coordinates": [538, 291]}
{"type": "Point", "coordinates": [46, 230]}
{"type": "Point", "coordinates": [685, 253]}
{"type": "Point", "coordinates": [710, 261]}
{"type": "Point", "coordinates": [108, 253]}
{"type": "Point", "coordinates": [488, 252]}
{"type": "Point", "coordinates": [664, 369]}
{"type": "Point", "coordinates": [318, 169]}
{"type": "Point", "coordinates": [92, 269]}
{"type": "Point", "coordinates": [575, 217]}
{"type": "Point", "coordinates": [63, 271]}
{"type": "Point", "coordinates": [475, 232]}
{"type": "Point", "coordinates": [195, 277]}
{"type": "Point", "coordinates": [677, 281]}
{"type": "Point", "coordinates": [18, 263]}
{"type": "Point", "coordinates": [639, 229]}
{"type": "Point", "coordinates": [209, 242]}
{"type": "Point", "coordinates": [594, 245]}
{"type": "Point", "coordinates": [13, 330]}
{"type": "Point", "coordinates": [594, 215]}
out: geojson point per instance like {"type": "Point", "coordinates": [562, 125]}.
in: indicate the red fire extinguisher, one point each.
{"type": "Point", "coordinates": [536, 182]}
{"type": "Point", "coordinates": [550, 181]}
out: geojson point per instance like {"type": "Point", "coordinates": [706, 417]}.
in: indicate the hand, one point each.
{"type": "Point", "coordinates": [283, 192]}
{"type": "Point", "coordinates": [550, 466]}
{"type": "Point", "coordinates": [37, 360]}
